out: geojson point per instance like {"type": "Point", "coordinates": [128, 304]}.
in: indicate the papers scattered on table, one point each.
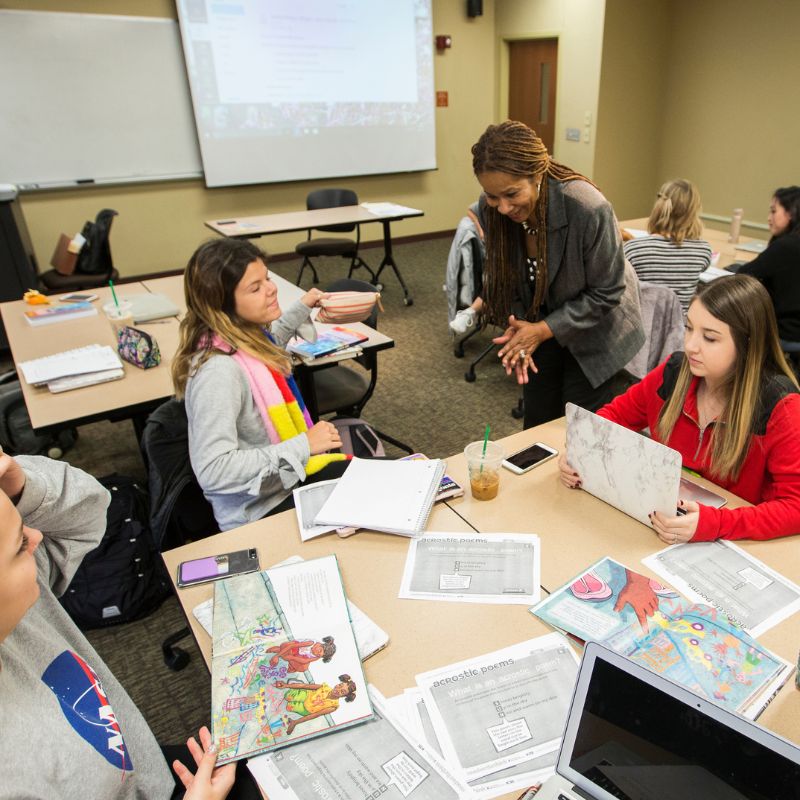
{"type": "Point", "coordinates": [501, 568]}
{"type": "Point", "coordinates": [725, 576]}
{"type": "Point", "coordinates": [503, 709]}
{"type": "Point", "coordinates": [270, 685]}
{"type": "Point", "coordinates": [448, 487]}
{"type": "Point", "coordinates": [360, 762]}
{"type": "Point", "coordinates": [693, 645]}
{"type": "Point", "coordinates": [712, 273]}
{"type": "Point", "coordinates": [44, 315]}
{"type": "Point", "coordinates": [388, 209]}
{"type": "Point", "coordinates": [89, 360]}
{"type": "Point", "coordinates": [637, 233]}
{"type": "Point", "coordinates": [388, 496]}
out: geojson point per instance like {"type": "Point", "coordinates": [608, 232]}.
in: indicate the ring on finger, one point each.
{"type": "Point", "coordinates": [522, 354]}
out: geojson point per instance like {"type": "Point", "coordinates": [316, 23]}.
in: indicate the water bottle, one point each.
{"type": "Point", "coordinates": [736, 224]}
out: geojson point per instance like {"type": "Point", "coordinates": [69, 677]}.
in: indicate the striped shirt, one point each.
{"type": "Point", "coordinates": [660, 260]}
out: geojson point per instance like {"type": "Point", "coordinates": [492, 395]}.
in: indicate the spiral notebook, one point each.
{"type": "Point", "coordinates": [387, 496]}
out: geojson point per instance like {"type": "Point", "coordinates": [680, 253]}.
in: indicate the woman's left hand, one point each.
{"type": "Point", "coordinates": [680, 529]}
{"type": "Point", "coordinates": [312, 297]}
{"type": "Point", "coordinates": [520, 340]}
{"type": "Point", "coordinates": [210, 782]}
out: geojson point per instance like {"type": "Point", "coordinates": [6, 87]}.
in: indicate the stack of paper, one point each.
{"type": "Point", "coordinates": [71, 369]}
{"type": "Point", "coordinates": [389, 496]}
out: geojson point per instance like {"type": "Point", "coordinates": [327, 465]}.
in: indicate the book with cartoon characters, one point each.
{"type": "Point", "coordinates": [692, 644]}
{"type": "Point", "coordinates": [284, 662]}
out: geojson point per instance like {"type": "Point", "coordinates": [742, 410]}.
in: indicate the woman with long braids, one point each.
{"type": "Point", "coordinates": [555, 276]}
{"type": "Point", "coordinates": [251, 440]}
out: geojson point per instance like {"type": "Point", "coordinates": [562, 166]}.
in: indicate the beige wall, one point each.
{"type": "Point", "coordinates": [159, 224]}
{"type": "Point", "coordinates": [629, 122]}
{"type": "Point", "coordinates": [700, 90]}
{"type": "Point", "coordinates": [578, 25]}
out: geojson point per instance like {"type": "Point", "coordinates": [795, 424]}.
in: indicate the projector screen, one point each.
{"type": "Point", "coordinates": [288, 90]}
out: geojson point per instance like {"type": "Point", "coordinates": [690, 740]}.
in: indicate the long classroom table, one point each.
{"type": "Point", "coordinates": [575, 529]}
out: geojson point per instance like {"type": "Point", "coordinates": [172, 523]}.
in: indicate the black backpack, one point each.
{"type": "Point", "coordinates": [95, 255]}
{"type": "Point", "coordinates": [17, 437]}
{"type": "Point", "coordinates": [123, 578]}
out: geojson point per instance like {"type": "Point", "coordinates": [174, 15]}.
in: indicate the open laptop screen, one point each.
{"type": "Point", "coordinates": [644, 737]}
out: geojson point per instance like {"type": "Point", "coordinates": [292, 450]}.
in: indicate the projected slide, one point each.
{"type": "Point", "coordinates": [297, 89]}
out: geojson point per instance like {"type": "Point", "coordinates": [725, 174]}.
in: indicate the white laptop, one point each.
{"type": "Point", "coordinates": [633, 734]}
{"type": "Point", "coordinates": [623, 468]}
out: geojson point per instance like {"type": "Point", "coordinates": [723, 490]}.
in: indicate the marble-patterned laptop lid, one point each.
{"type": "Point", "coordinates": [622, 467]}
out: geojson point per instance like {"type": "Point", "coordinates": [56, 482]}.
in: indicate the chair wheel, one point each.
{"type": "Point", "coordinates": [458, 351]}
{"type": "Point", "coordinates": [177, 659]}
{"type": "Point", "coordinates": [408, 301]}
{"type": "Point", "coordinates": [469, 377]}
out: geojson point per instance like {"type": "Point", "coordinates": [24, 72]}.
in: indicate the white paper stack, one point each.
{"type": "Point", "coordinates": [71, 369]}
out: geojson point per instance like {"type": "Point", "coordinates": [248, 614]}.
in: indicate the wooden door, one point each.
{"type": "Point", "coordinates": [532, 85]}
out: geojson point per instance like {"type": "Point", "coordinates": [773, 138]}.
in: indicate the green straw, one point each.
{"type": "Point", "coordinates": [483, 454]}
{"type": "Point", "coordinates": [116, 303]}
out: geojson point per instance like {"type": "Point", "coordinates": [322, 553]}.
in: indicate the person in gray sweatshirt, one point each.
{"type": "Point", "coordinates": [69, 729]}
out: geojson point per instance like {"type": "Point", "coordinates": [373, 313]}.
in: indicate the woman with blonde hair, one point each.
{"type": "Point", "coordinates": [554, 276]}
{"type": "Point", "coordinates": [251, 439]}
{"type": "Point", "coordinates": [730, 405]}
{"type": "Point", "coordinates": [673, 254]}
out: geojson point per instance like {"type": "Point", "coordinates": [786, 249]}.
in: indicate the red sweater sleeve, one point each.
{"type": "Point", "coordinates": [779, 513]}
{"type": "Point", "coordinates": [638, 407]}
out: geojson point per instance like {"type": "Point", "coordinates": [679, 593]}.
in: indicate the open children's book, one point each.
{"type": "Point", "coordinates": [332, 340]}
{"type": "Point", "coordinates": [284, 662]}
{"type": "Point", "coordinates": [692, 644]}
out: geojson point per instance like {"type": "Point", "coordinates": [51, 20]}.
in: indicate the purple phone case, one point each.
{"type": "Point", "coordinates": [202, 568]}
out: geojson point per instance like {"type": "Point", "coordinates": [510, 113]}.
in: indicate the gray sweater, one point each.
{"type": "Point", "coordinates": [242, 474]}
{"type": "Point", "coordinates": [69, 730]}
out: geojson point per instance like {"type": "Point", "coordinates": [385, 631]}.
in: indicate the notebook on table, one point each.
{"type": "Point", "coordinates": [631, 733]}
{"type": "Point", "coordinates": [388, 496]}
{"type": "Point", "coordinates": [150, 306]}
{"type": "Point", "coordinates": [629, 471]}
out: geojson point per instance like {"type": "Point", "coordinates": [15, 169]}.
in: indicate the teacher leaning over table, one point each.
{"type": "Point", "coordinates": [554, 275]}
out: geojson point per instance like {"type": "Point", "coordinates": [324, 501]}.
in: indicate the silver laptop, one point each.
{"type": "Point", "coordinates": [633, 734]}
{"type": "Point", "coordinates": [621, 467]}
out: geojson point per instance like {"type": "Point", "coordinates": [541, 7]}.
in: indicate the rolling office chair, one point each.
{"type": "Point", "coordinates": [179, 512]}
{"type": "Point", "coordinates": [342, 390]}
{"type": "Point", "coordinates": [333, 245]}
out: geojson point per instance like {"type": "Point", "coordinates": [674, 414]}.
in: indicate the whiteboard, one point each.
{"type": "Point", "coordinates": [89, 98]}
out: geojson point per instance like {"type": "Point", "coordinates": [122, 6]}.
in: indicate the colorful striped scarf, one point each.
{"type": "Point", "coordinates": [279, 402]}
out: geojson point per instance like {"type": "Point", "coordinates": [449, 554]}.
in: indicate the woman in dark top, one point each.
{"type": "Point", "coordinates": [778, 267]}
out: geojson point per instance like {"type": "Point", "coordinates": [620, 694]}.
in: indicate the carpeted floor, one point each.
{"type": "Point", "coordinates": [421, 398]}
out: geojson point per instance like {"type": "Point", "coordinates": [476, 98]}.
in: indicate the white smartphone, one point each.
{"type": "Point", "coordinates": [78, 297]}
{"type": "Point", "coordinates": [530, 457]}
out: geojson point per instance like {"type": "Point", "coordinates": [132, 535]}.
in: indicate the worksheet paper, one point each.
{"type": "Point", "coordinates": [504, 708]}
{"type": "Point", "coordinates": [364, 761]}
{"type": "Point", "coordinates": [501, 568]}
{"type": "Point", "coordinates": [724, 576]}
{"type": "Point", "coordinates": [516, 778]}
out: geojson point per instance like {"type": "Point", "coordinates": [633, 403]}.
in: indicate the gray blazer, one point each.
{"type": "Point", "coordinates": [592, 299]}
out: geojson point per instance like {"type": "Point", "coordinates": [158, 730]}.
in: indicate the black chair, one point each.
{"type": "Point", "coordinates": [96, 255]}
{"type": "Point", "coordinates": [330, 245]}
{"type": "Point", "coordinates": [342, 390]}
{"type": "Point", "coordinates": [179, 512]}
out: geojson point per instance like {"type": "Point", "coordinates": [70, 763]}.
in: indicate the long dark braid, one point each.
{"type": "Point", "coordinates": [513, 148]}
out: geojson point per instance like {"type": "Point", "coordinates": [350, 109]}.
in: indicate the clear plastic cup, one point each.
{"type": "Point", "coordinates": [119, 314]}
{"type": "Point", "coordinates": [484, 469]}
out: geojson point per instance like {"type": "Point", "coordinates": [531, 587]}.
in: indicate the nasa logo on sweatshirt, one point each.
{"type": "Point", "coordinates": [86, 707]}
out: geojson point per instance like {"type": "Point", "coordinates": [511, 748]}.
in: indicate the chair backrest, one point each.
{"type": "Point", "coordinates": [332, 198]}
{"type": "Point", "coordinates": [178, 509]}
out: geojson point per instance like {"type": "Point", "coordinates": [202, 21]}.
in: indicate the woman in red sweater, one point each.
{"type": "Point", "coordinates": [730, 405]}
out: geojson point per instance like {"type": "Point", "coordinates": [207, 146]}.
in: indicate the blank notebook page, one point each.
{"type": "Point", "coordinates": [391, 496]}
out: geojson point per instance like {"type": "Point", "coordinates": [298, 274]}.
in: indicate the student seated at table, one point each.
{"type": "Point", "coordinates": [730, 405]}
{"type": "Point", "coordinates": [69, 728]}
{"type": "Point", "coordinates": [673, 254]}
{"type": "Point", "coordinates": [251, 439]}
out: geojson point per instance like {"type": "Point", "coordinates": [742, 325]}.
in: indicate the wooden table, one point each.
{"type": "Point", "coordinates": [717, 239]}
{"type": "Point", "coordinates": [575, 529]}
{"type": "Point", "coordinates": [288, 222]}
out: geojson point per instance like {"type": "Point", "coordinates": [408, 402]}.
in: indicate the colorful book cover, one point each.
{"type": "Point", "coordinates": [328, 342]}
{"type": "Point", "coordinates": [692, 644]}
{"type": "Point", "coordinates": [285, 665]}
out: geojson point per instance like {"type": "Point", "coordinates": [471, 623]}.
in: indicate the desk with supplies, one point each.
{"type": "Point", "coordinates": [575, 530]}
{"type": "Point", "coordinates": [728, 252]}
{"type": "Point", "coordinates": [268, 224]}
{"type": "Point", "coordinates": [140, 391]}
